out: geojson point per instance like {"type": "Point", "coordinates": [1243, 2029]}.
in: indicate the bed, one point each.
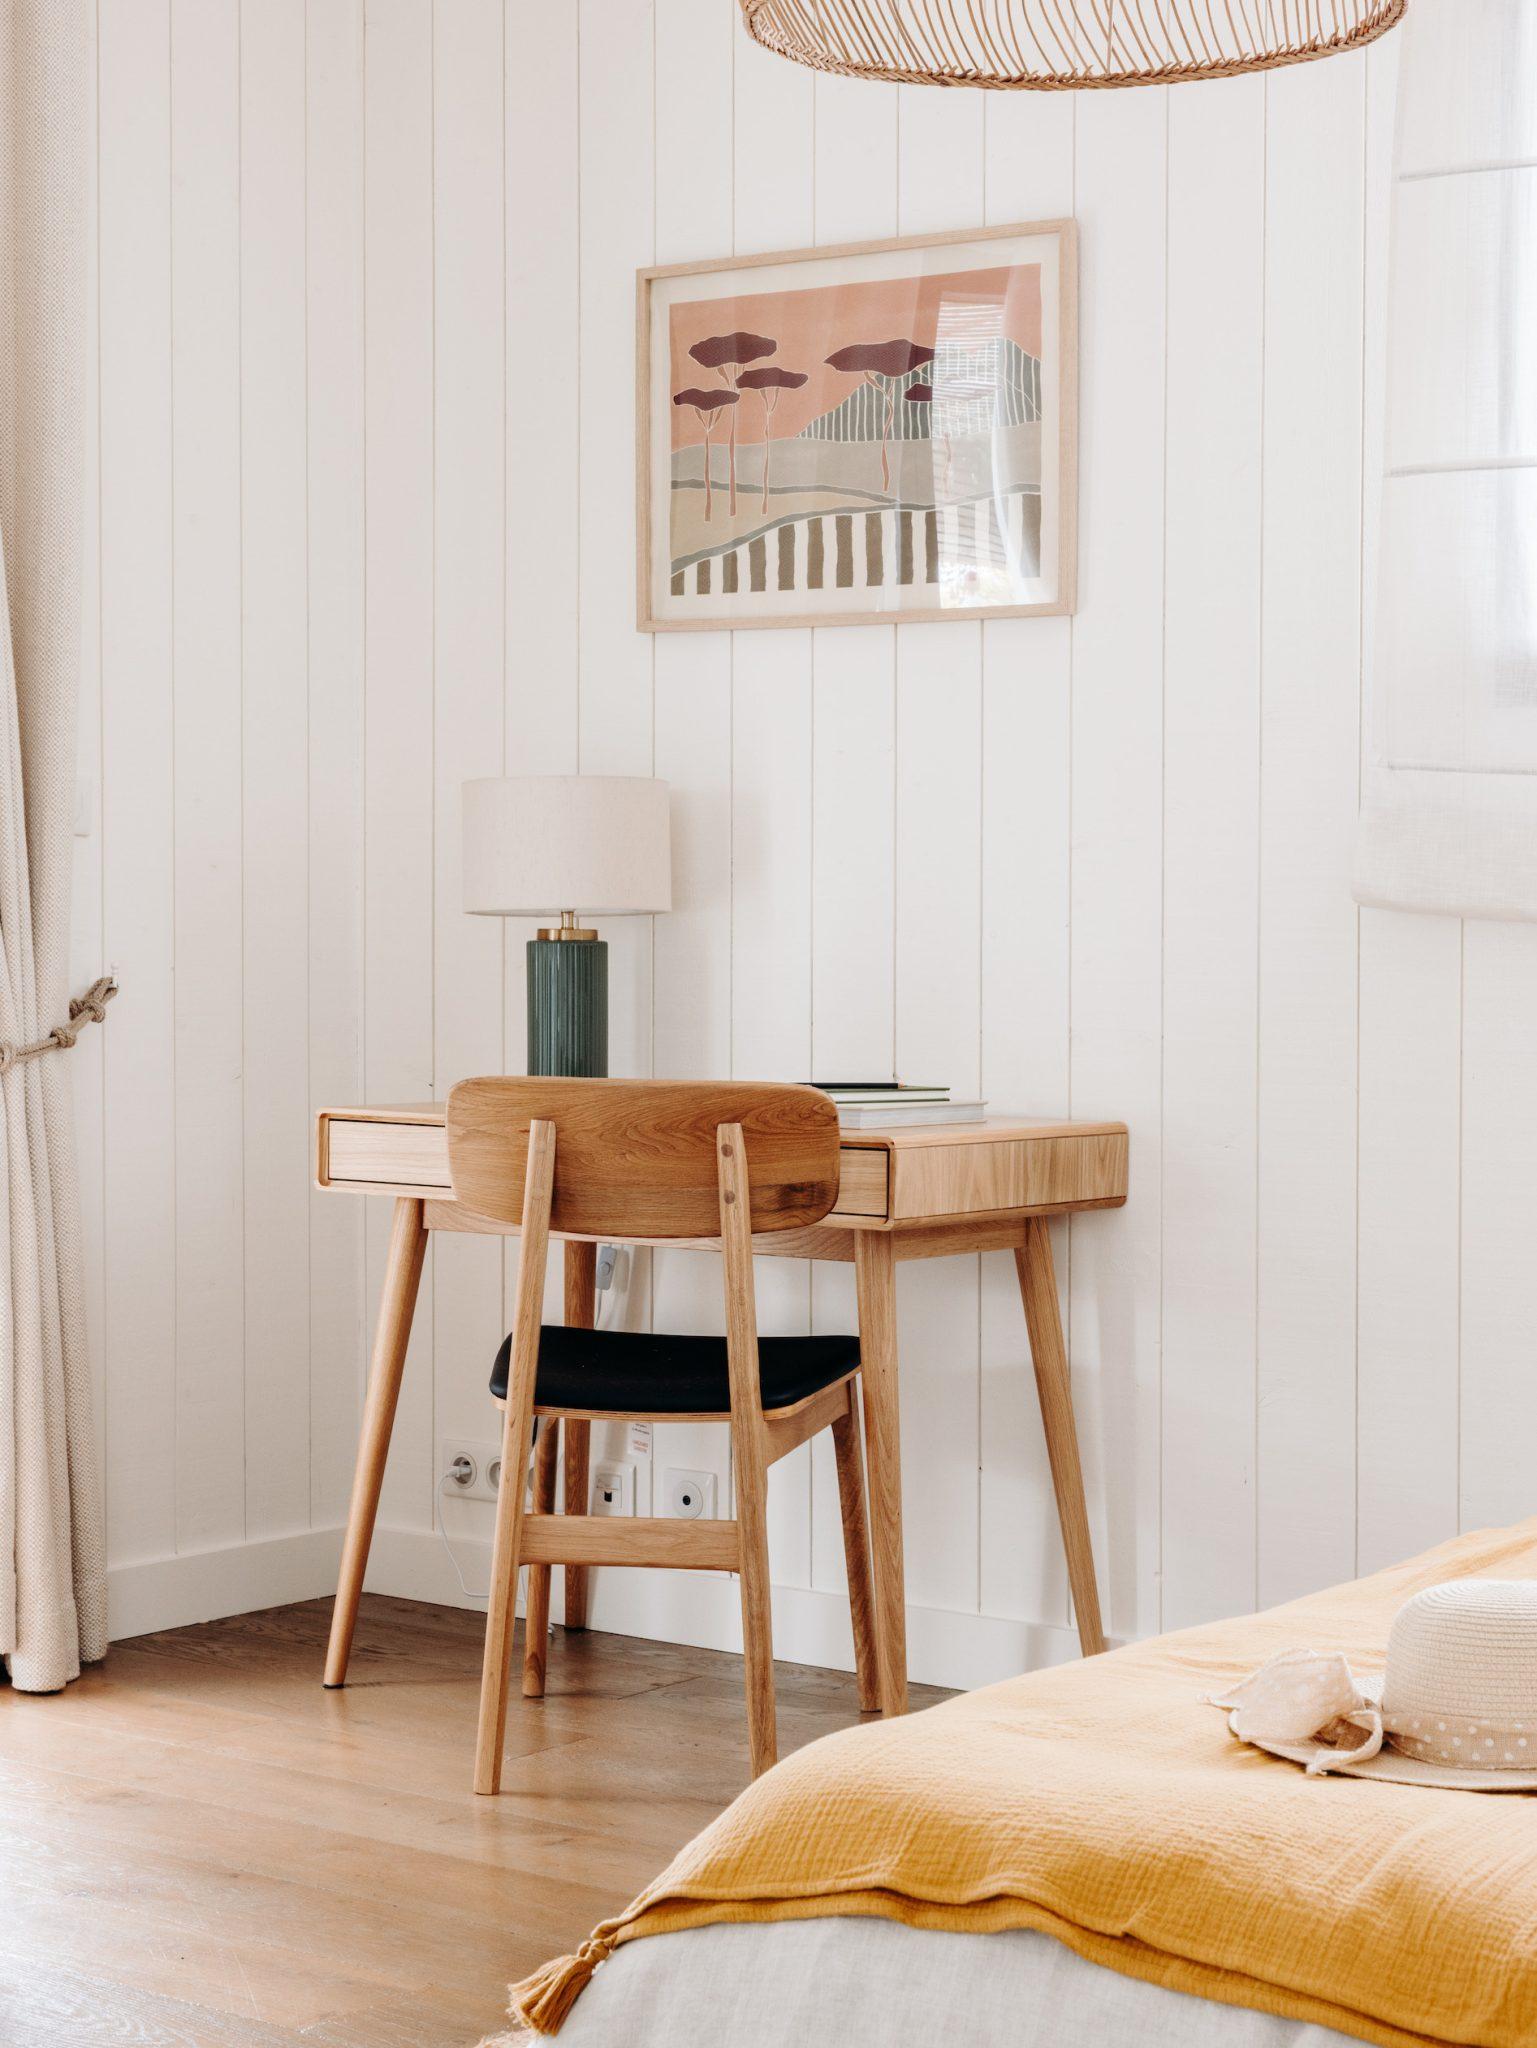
{"type": "Point", "coordinates": [1086, 1856]}
{"type": "Point", "coordinates": [873, 1984]}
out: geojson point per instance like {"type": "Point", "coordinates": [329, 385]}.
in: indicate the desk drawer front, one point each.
{"type": "Point", "coordinates": [861, 1181]}
{"type": "Point", "coordinates": [388, 1155]}
{"type": "Point", "coordinates": [363, 1154]}
{"type": "Point", "coordinates": [1015, 1173]}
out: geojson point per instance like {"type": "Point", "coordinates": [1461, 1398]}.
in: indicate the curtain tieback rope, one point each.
{"type": "Point", "coordinates": [91, 1008]}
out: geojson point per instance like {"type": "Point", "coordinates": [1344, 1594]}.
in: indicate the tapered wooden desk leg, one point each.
{"type": "Point", "coordinates": [536, 1626]}
{"type": "Point", "coordinates": [875, 1281]}
{"type": "Point", "coordinates": [402, 1276]}
{"type": "Point", "coordinates": [1038, 1287]}
{"type": "Point", "coordinates": [581, 1269]}
{"type": "Point", "coordinates": [856, 1553]}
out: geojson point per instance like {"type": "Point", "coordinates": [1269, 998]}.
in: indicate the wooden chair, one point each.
{"type": "Point", "coordinates": [655, 1162]}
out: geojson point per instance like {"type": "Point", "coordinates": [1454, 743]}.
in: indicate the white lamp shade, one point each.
{"type": "Point", "coordinates": [534, 844]}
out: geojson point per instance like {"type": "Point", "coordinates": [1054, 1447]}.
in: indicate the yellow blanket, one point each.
{"type": "Point", "coordinates": [1104, 1804]}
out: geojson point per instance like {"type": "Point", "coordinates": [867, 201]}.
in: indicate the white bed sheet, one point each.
{"type": "Point", "coordinates": [859, 1983]}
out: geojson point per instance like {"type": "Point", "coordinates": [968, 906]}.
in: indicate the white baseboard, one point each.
{"type": "Point", "coordinates": [697, 1608]}
{"type": "Point", "coordinates": [702, 1609]}
{"type": "Point", "coordinates": [203, 1585]}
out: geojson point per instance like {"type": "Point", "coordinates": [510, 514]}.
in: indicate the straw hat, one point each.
{"type": "Point", "coordinates": [1456, 1706]}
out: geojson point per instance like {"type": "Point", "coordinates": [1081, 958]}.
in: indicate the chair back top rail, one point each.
{"type": "Point", "coordinates": [638, 1158]}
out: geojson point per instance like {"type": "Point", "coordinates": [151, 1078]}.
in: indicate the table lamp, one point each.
{"type": "Point", "coordinates": [536, 844]}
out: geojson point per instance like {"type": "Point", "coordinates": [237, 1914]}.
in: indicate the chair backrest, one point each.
{"type": "Point", "coordinates": [637, 1158]}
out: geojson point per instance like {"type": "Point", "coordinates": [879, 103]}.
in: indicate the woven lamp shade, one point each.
{"type": "Point", "coordinates": [1057, 45]}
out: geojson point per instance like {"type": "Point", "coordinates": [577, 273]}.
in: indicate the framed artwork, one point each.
{"type": "Point", "coordinates": [880, 431]}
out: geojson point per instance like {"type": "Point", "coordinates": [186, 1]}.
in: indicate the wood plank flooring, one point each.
{"type": "Point", "coordinates": [201, 1848]}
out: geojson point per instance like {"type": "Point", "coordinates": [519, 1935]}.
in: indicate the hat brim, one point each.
{"type": "Point", "coordinates": [1392, 1765]}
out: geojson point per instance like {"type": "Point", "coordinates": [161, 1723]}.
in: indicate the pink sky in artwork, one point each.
{"type": "Point", "coordinates": [810, 325]}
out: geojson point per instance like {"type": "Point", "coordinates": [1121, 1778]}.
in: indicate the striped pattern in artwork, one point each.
{"type": "Point", "coordinates": [978, 385]}
{"type": "Point", "coordinates": [997, 537]}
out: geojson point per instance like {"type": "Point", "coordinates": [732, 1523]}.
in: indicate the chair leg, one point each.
{"type": "Point", "coordinates": [748, 1447]}
{"type": "Point", "coordinates": [856, 1552]}
{"type": "Point", "coordinates": [536, 1628]}
{"type": "Point", "coordinates": [757, 1632]}
{"type": "Point", "coordinates": [581, 1265]}
{"type": "Point", "coordinates": [501, 1607]}
{"type": "Point", "coordinates": [517, 1435]}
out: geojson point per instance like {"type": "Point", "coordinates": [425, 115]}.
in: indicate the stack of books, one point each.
{"type": "Point", "coordinates": [874, 1105]}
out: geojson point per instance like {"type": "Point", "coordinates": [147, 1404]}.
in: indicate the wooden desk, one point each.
{"type": "Point", "coordinates": [920, 1193]}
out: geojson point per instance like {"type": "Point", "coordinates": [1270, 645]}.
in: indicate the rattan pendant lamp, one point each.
{"type": "Point", "coordinates": [1057, 45]}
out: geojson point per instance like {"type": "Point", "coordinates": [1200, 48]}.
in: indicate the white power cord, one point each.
{"type": "Point", "coordinates": [449, 1479]}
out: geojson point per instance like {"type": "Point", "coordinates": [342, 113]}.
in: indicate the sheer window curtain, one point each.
{"type": "Point", "coordinates": [52, 1562]}
{"type": "Point", "coordinates": [1449, 813]}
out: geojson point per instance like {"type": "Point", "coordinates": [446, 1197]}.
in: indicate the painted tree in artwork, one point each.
{"type": "Point", "coordinates": [705, 405]}
{"type": "Point", "coordinates": [768, 383]}
{"type": "Point", "coordinates": [879, 364]}
{"type": "Point", "coordinates": [724, 353]}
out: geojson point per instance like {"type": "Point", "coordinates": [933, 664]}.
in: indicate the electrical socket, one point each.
{"type": "Point", "coordinates": [485, 1463]}
{"type": "Point", "coordinates": [613, 1490]}
{"type": "Point", "coordinates": [690, 1496]}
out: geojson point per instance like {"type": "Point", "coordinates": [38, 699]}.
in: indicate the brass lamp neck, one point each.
{"type": "Point", "coordinates": [568, 928]}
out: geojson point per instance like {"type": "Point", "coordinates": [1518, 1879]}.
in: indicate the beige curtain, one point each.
{"type": "Point", "coordinates": [52, 1562]}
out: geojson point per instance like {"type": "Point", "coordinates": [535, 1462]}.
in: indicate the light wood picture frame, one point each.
{"type": "Point", "coordinates": [878, 431]}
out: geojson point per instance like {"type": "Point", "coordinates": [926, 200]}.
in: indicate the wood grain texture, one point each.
{"type": "Point", "coordinates": [659, 1541]}
{"type": "Point", "coordinates": [637, 1158]}
{"type": "Point", "coordinates": [580, 1268]}
{"type": "Point", "coordinates": [393, 1154]}
{"type": "Point", "coordinates": [536, 1605]}
{"type": "Point", "coordinates": [856, 1550]}
{"type": "Point", "coordinates": [538, 1538]}
{"type": "Point", "coordinates": [402, 1277]}
{"type": "Point", "coordinates": [941, 1169]}
{"type": "Point", "coordinates": [875, 1281]}
{"type": "Point", "coordinates": [1038, 1290]}
{"type": "Point", "coordinates": [787, 1428]}
{"type": "Point", "coordinates": [749, 1450]}
{"type": "Point", "coordinates": [517, 1435]}
{"type": "Point", "coordinates": [1033, 1173]}
{"type": "Point", "coordinates": [203, 1850]}
{"type": "Point", "coordinates": [1063, 1167]}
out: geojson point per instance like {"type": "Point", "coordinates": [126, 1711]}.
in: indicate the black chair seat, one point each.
{"type": "Point", "coordinates": [638, 1372]}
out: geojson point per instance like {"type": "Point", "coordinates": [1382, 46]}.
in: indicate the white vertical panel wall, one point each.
{"type": "Point", "coordinates": [365, 279]}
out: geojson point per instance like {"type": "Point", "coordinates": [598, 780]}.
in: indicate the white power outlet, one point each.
{"type": "Point", "coordinates": [689, 1495]}
{"type": "Point", "coordinates": [613, 1490]}
{"type": "Point", "coordinates": [485, 1469]}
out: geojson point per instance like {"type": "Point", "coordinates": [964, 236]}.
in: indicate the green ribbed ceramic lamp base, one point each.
{"type": "Point", "coordinates": [568, 1006]}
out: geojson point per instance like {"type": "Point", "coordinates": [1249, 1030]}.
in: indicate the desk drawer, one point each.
{"type": "Point", "coordinates": [362, 1154]}
{"type": "Point", "coordinates": [401, 1155]}
{"type": "Point", "coordinates": [1028, 1173]}
{"type": "Point", "coordinates": [862, 1181]}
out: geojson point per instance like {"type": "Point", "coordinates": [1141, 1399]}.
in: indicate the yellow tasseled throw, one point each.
{"type": "Point", "coordinates": [1104, 1804]}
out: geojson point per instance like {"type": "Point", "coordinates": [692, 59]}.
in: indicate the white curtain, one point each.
{"type": "Point", "coordinates": [1449, 814]}
{"type": "Point", "coordinates": [52, 1565]}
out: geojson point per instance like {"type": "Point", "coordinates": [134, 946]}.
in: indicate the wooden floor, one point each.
{"type": "Point", "coordinates": [203, 1849]}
